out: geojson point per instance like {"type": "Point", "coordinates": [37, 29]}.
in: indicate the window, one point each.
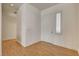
{"type": "Point", "coordinates": [58, 22]}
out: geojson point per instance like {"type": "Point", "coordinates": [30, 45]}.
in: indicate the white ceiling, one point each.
{"type": "Point", "coordinates": [7, 8]}
{"type": "Point", "coordinates": [42, 6]}
{"type": "Point", "coordinates": [11, 10]}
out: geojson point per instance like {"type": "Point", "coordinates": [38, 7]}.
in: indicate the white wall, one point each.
{"type": "Point", "coordinates": [29, 25]}
{"type": "Point", "coordinates": [0, 30]}
{"type": "Point", "coordinates": [8, 26]}
{"type": "Point", "coordinates": [77, 25]}
{"type": "Point", "coordinates": [68, 38]}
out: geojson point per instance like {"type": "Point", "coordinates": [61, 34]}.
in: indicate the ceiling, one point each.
{"type": "Point", "coordinates": [42, 6]}
{"type": "Point", "coordinates": [6, 7]}
{"type": "Point", "coordinates": [11, 10]}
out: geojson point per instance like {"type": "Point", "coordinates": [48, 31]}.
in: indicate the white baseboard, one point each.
{"type": "Point", "coordinates": [61, 45]}
{"type": "Point", "coordinates": [20, 43]}
{"type": "Point", "coordinates": [26, 45]}
{"type": "Point", "coordinates": [8, 39]}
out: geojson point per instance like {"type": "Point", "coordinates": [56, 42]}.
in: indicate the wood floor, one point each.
{"type": "Point", "coordinates": [12, 48]}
